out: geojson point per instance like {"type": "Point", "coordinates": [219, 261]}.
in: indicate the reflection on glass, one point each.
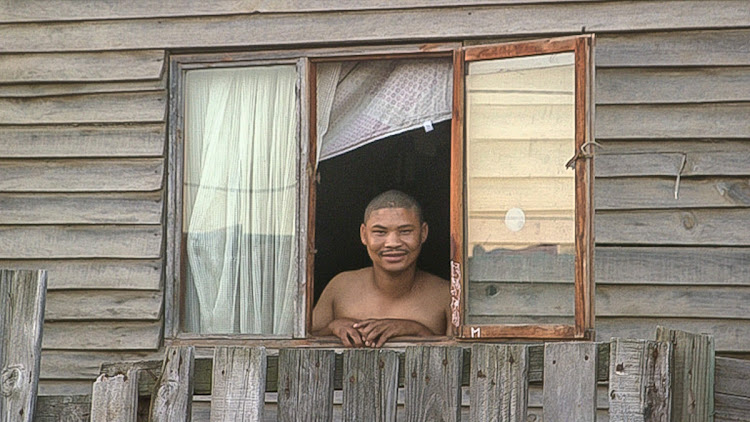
{"type": "Point", "coordinates": [520, 133]}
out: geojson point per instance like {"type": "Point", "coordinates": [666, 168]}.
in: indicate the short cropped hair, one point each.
{"type": "Point", "coordinates": [394, 199]}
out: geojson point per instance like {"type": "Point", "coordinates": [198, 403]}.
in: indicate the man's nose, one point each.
{"type": "Point", "coordinates": [392, 239]}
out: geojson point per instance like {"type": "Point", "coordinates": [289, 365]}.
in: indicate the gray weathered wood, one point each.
{"type": "Point", "coordinates": [719, 163]}
{"type": "Point", "coordinates": [732, 389]}
{"type": "Point", "coordinates": [100, 274]}
{"type": "Point", "coordinates": [102, 335]}
{"type": "Point", "coordinates": [653, 85]}
{"type": "Point", "coordinates": [678, 48]}
{"type": "Point", "coordinates": [22, 297]}
{"type": "Point", "coordinates": [370, 384]}
{"type": "Point", "coordinates": [145, 107]}
{"type": "Point", "coordinates": [388, 25]}
{"type": "Point", "coordinates": [86, 365]}
{"type": "Point", "coordinates": [306, 385]}
{"type": "Point", "coordinates": [693, 374]}
{"type": "Point", "coordinates": [239, 381]}
{"type": "Point", "coordinates": [115, 398]}
{"type": "Point", "coordinates": [432, 377]}
{"type": "Point", "coordinates": [81, 67]}
{"type": "Point", "coordinates": [62, 175]}
{"type": "Point", "coordinates": [570, 382]}
{"type": "Point", "coordinates": [103, 305]}
{"type": "Point", "coordinates": [141, 140]}
{"type": "Point", "coordinates": [69, 408]}
{"type": "Point", "coordinates": [731, 408]}
{"type": "Point", "coordinates": [639, 381]}
{"type": "Point", "coordinates": [684, 227]}
{"type": "Point", "coordinates": [94, 241]}
{"type": "Point", "coordinates": [665, 121]}
{"type": "Point", "coordinates": [45, 90]}
{"type": "Point", "coordinates": [499, 382]}
{"type": "Point", "coordinates": [173, 397]}
{"type": "Point", "coordinates": [658, 193]}
{"type": "Point", "coordinates": [82, 208]}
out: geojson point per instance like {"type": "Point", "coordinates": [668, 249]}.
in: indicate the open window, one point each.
{"type": "Point", "coordinates": [259, 221]}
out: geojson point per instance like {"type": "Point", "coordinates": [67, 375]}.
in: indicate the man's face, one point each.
{"type": "Point", "coordinates": [393, 237]}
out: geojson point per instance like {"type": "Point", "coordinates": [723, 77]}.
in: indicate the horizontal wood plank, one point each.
{"type": "Point", "coordinates": [379, 26]}
{"type": "Point", "coordinates": [67, 387]}
{"type": "Point", "coordinates": [95, 241]}
{"type": "Point", "coordinates": [665, 121]}
{"type": "Point", "coordinates": [732, 376]}
{"type": "Point", "coordinates": [122, 274]}
{"type": "Point", "coordinates": [709, 163]}
{"type": "Point", "coordinates": [82, 208]}
{"type": "Point", "coordinates": [678, 48]}
{"type": "Point", "coordinates": [102, 335]}
{"type": "Point", "coordinates": [58, 89]}
{"type": "Point", "coordinates": [556, 300]}
{"type": "Point", "coordinates": [668, 227]}
{"type": "Point", "coordinates": [81, 67]}
{"type": "Point", "coordinates": [728, 408]}
{"type": "Point", "coordinates": [654, 85]}
{"type": "Point", "coordinates": [103, 305]}
{"type": "Point", "coordinates": [658, 193]}
{"type": "Point", "coordinates": [86, 365]}
{"type": "Point", "coordinates": [63, 408]}
{"type": "Point", "coordinates": [146, 107]}
{"type": "Point", "coordinates": [91, 175]}
{"type": "Point", "coordinates": [82, 141]}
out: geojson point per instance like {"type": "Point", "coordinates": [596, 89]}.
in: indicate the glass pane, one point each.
{"type": "Point", "coordinates": [520, 133]}
{"type": "Point", "coordinates": [240, 200]}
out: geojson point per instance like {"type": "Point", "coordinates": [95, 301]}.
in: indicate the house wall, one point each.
{"type": "Point", "coordinates": [83, 109]}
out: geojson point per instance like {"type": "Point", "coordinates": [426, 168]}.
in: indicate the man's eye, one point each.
{"type": "Point", "coordinates": [379, 232]}
{"type": "Point", "coordinates": [408, 231]}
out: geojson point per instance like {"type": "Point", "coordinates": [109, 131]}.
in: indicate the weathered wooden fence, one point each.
{"type": "Point", "coordinates": [671, 378]}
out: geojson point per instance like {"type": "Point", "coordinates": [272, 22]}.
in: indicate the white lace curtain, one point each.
{"type": "Point", "coordinates": [240, 200]}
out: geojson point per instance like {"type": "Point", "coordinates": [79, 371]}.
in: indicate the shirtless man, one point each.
{"type": "Point", "coordinates": [392, 298]}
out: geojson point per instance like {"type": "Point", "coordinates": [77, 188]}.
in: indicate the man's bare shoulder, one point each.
{"type": "Point", "coordinates": [434, 284]}
{"type": "Point", "coordinates": [347, 279]}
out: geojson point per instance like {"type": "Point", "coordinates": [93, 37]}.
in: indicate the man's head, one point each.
{"type": "Point", "coordinates": [393, 231]}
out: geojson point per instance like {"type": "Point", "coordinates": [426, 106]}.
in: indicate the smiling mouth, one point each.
{"type": "Point", "coordinates": [393, 254]}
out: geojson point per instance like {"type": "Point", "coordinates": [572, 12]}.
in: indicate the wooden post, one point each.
{"type": "Point", "coordinates": [115, 398]}
{"type": "Point", "coordinates": [570, 382]}
{"type": "Point", "coordinates": [370, 384]}
{"type": "Point", "coordinates": [499, 382]}
{"type": "Point", "coordinates": [173, 396]}
{"type": "Point", "coordinates": [639, 381]}
{"type": "Point", "coordinates": [692, 376]}
{"type": "Point", "coordinates": [239, 384]}
{"type": "Point", "coordinates": [22, 296]}
{"type": "Point", "coordinates": [306, 384]}
{"type": "Point", "coordinates": [432, 379]}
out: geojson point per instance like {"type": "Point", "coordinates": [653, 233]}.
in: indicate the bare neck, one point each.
{"type": "Point", "coordinates": [394, 284]}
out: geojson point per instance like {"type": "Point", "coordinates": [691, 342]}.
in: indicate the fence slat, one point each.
{"type": "Point", "coordinates": [693, 374]}
{"type": "Point", "coordinates": [239, 384]}
{"type": "Point", "coordinates": [173, 396]}
{"type": "Point", "coordinates": [22, 297]}
{"type": "Point", "coordinates": [570, 382]}
{"type": "Point", "coordinates": [306, 384]}
{"type": "Point", "coordinates": [432, 379]}
{"type": "Point", "coordinates": [499, 382]}
{"type": "Point", "coordinates": [639, 381]}
{"type": "Point", "coordinates": [370, 384]}
{"type": "Point", "coordinates": [115, 398]}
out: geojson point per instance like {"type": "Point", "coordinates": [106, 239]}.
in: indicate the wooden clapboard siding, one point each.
{"type": "Point", "coordinates": [86, 365]}
{"type": "Point", "coordinates": [82, 67]}
{"type": "Point", "coordinates": [91, 175]}
{"type": "Point", "coordinates": [709, 163]}
{"type": "Point", "coordinates": [149, 106]}
{"type": "Point", "coordinates": [674, 227]}
{"type": "Point", "coordinates": [378, 26]}
{"type": "Point", "coordinates": [82, 208]}
{"type": "Point", "coordinates": [683, 85]}
{"type": "Point", "coordinates": [71, 305]}
{"type": "Point", "coordinates": [102, 335]}
{"type": "Point", "coordinates": [118, 274]}
{"type": "Point", "coordinates": [134, 140]}
{"type": "Point", "coordinates": [539, 194]}
{"type": "Point", "coordinates": [48, 90]}
{"type": "Point", "coordinates": [75, 241]}
{"type": "Point", "coordinates": [658, 193]}
{"type": "Point", "coordinates": [520, 158]}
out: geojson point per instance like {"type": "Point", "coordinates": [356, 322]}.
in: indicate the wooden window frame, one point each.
{"type": "Point", "coordinates": [306, 61]}
{"type": "Point", "coordinates": [583, 328]}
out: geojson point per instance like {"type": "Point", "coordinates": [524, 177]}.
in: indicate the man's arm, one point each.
{"type": "Point", "coordinates": [375, 332]}
{"type": "Point", "coordinates": [325, 322]}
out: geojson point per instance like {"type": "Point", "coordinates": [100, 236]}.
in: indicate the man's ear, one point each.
{"type": "Point", "coordinates": [362, 232]}
{"type": "Point", "coordinates": [424, 231]}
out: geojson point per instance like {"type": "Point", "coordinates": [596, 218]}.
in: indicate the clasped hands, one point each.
{"type": "Point", "coordinates": [375, 332]}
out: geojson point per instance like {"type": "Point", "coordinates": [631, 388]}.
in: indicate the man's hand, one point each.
{"type": "Point", "coordinates": [375, 332]}
{"type": "Point", "coordinates": [343, 328]}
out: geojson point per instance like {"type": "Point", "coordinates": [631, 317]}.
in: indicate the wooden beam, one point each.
{"type": "Point", "coordinates": [173, 396]}
{"type": "Point", "coordinates": [433, 383]}
{"type": "Point", "coordinates": [499, 382]}
{"type": "Point", "coordinates": [22, 310]}
{"type": "Point", "coordinates": [238, 384]}
{"type": "Point", "coordinates": [693, 376]}
{"type": "Point", "coordinates": [570, 382]}
{"type": "Point", "coordinates": [370, 384]}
